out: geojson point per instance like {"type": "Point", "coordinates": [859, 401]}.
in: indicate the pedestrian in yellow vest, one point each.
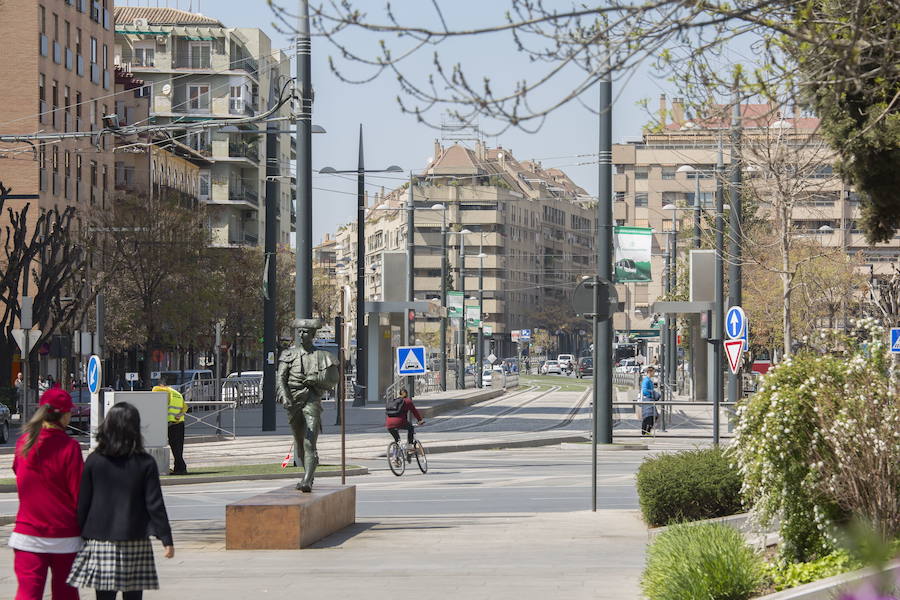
{"type": "Point", "coordinates": [177, 409]}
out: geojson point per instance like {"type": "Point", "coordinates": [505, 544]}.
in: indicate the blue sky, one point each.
{"type": "Point", "coordinates": [394, 138]}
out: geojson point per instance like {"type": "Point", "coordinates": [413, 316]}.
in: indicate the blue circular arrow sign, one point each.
{"type": "Point", "coordinates": [94, 374]}
{"type": "Point", "coordinates": [735, 322]}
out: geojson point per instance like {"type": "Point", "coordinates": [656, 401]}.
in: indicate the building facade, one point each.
{"type": "Point", "coordinates": [196, 69]}
{"type": "Point", "coordinates": [57, 62]}
{"type": "Point", "coordinates": [668, 167]}
{"type": "Point", "coordinates": [531, 236]}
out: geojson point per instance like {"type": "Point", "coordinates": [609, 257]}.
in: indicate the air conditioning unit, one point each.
{"type": "Point", "coordinates": [162, 39]}
{"type": "Point", "coordinates": [140, 23]}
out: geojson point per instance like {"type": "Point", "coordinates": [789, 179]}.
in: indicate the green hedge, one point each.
{"type": "Point", "coordinates": [688, 486]}
{"type": "Point", "coordinates": [709, 561]}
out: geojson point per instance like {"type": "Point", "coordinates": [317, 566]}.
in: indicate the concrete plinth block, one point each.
{"type": "Point", "coordinates": [287, 519]}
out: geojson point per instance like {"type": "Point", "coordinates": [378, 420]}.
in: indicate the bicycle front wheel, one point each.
{"type": "Point", "coordinates": [395, 458]}
{"type": "Point", "coordinates": [419, 449]}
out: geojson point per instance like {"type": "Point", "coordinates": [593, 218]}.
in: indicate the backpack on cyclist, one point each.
{"type": "Point", "coordinates": [394, 407]}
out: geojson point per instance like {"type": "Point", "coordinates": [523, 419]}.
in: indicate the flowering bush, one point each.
{"type": "Point", "coordinates": [819, 442]}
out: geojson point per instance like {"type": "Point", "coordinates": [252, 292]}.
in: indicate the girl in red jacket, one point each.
{"type": "Point", "coordinates": [48, 468]}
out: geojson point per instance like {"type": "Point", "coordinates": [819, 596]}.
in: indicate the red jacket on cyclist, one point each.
{"type": "Point", "coordinates": [400, 418]}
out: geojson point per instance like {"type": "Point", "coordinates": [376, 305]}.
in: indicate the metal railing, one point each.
{"type": "Point", "coordinates": [244, 390]}
{"type": "Point", "coordinates": [631, 380]}
{"type": "Point", "coordinates": [200, 414]}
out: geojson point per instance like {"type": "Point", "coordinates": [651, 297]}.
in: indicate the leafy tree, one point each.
{"type": "Point", "coordinates": [162, 274]}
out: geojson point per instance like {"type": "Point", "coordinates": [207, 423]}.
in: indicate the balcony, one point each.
{"type": "Point", "coordinates": [243, 150]}
{"type": "Point", "coordinates": [247, 64]}
{"type": "Point", "coordinates": [243, 194]}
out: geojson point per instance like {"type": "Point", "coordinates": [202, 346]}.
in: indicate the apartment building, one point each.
{"type": "Point", "coordinates": [194, 68]}
{"type": "Point", "coordinates": [534, 227]}
{"type": "Point", "coordinates": [153, 164]}
{"type": "Point", "coordinates": [57, 66]}
{"type": "Point", "coordinates": [667, 167]}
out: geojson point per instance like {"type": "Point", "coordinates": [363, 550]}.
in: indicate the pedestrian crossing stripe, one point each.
{"type": "Point", "coordinates": [411, 360]}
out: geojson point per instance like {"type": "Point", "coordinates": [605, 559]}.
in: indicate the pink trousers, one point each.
{"type": "Point", "coordinates": [31, 571]}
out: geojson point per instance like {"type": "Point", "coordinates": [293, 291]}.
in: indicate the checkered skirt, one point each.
{"type": "Point", "coordinates": [126, 566]}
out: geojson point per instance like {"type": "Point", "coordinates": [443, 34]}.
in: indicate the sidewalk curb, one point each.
{"type": "Point", "coordinates": [615, 446]}
{"type": "Point", "coordinates": [11, 487]}
{"type": "Point", "coordinates": [500, 445]}
{"type": "Point", "coordinates": [457, 403]}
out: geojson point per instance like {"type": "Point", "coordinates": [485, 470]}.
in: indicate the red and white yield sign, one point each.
{"type": "Point", "coordinates": [734, 349]}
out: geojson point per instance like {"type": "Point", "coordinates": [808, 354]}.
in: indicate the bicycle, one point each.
{"type": "Point", "coordinates": [399, 454]}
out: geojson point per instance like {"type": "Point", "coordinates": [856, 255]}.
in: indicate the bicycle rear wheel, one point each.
{"type": "Point", "coordinates": [395, 458]}
{"type": "Point", "coordinates": [419, 449]}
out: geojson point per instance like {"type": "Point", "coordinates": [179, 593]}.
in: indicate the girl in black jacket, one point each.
{"type": "Point", "coordinates": [120, 506]}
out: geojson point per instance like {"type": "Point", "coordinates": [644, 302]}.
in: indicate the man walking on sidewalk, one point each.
{"type": "Point", "coordinates": [177, 409]}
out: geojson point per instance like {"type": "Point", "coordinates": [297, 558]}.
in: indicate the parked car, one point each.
{"type": "Point", "coordinates": [628, 365]}
{"type": "Point", "coordinates": [246, 388]}
{"type": "Point", "coordinates": [5, 416]}
{"type": "Point", "coordinates": [196, 385]}
{"type": "Point", "coordinates": [584, 367]}
{"type": "Point", "coordinates": [551, 366]}
{"type": "Point", "coordinates": [487, 376]}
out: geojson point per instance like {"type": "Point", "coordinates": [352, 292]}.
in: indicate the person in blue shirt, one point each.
{"type": "Point", "coordinates": [648, 394]}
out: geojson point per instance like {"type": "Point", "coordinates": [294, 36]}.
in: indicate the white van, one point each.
{"type": "Point", "coordinates": [565, 360]}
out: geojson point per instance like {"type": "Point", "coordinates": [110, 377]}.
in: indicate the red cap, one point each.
{"type": "Point", "coordinates": [57, 399]}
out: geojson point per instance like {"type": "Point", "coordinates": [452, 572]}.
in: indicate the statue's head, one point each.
{"type": "Point", "coordinates": [306, 330]}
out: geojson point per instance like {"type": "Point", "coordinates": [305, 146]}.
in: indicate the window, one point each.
{"type": "Point", "coordinates": [42, 18]}
{"type": "Point", "coordinates": [78, 41]}
{"type": "Point", "coordinates": [641, 172]}
{"type": "Point", "coordinates": [640, 199]}
{"type": "Point", "coordinates": [620, 222]}
{"type": "Point", "coordinates": [66, 99]}
{"type": "Point", "coordinates": [620, 196]}
{"type": "Point", "coordinates": [198, 97]}
{"type": "Point", "coordinates": [93, 49]}
{"type": "Point", "coordinates": [105, 56]}
{"type": "Point", "coordinates": [42, 97]}
{"type": "Point", "coordinates": [68, 34]}
{"type": "Point", "coordinates": [144, 56]}
{"type": "Point", "coordinates": [78, 168]}
{"type": "Point", "coordinates": [55, 27]}
{"type": "Point", "coordinates": [667, 225]}
{"type": "Point", "coordinates": [668, 173]}
{"type": "Point", "coordinates": [620, 169]}
{"type": "Point", "coordinates": [199, 55]}
{"type": "Point", "coordinates": [236, 99]}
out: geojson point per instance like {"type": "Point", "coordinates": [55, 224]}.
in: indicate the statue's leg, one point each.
{"type": "Point", "coordinates": [298, 427]}
{"type": "Point", "coordinates": [312, 415]}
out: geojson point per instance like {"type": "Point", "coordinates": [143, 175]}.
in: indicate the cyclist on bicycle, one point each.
{"type": "Point", "coordinates": [397, 417]}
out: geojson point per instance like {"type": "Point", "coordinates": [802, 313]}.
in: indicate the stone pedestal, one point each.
{"type": "Point", "coordinates": [287, 519]}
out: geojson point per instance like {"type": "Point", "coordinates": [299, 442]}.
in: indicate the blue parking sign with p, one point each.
{"type": "Point", "coordinates": [411, 360]}
{"type": "Point", "coordinates": [895, 339]}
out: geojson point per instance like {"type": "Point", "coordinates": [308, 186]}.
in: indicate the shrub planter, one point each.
{"type": "Point", "coordinates": [828, 588]}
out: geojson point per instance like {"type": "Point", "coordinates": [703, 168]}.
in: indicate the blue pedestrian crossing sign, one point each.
{"type": "Point", "coordinates": [411, 360]}
{"type": "Point", "coordinates": [895, 339]}
{"type": "Point", "coordinates": [736, 323]}
{"type": "Point", "coordinates": [94, 374]}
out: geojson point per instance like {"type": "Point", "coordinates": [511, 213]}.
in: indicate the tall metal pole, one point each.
{"type": "Point", "coordinates": [479, 350]}
{"type": "Point", "coordinates": [734, 246]}
{"type": "Point", "coordinates": [410, 271]}
{"type": "Point", "coordinates": [697, 206]}
{"type": "Point", "coordinates": [270, 340]}
{"type": "Point", "coordinates": [444, 299]}
{"type": "Point", "coordinates": [595, 376]}
{"type": "Point", "coordinates": [339, 398]}
{"type": "Point", "coordinates": [303, 300]}
{"type": "Point", "coordinates": [603, 391]}
{"type": "Point", "coordinates": [664, 337]}
{"type": "Point", "coordinates": [461, 351]}
{"type": "Point", "coordinates": [715, 327]}
{"type": "Point", "coordinates": [361, 334]}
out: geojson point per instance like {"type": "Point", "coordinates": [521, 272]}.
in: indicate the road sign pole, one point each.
{"type": "Point", "coordinates": [595, 430]}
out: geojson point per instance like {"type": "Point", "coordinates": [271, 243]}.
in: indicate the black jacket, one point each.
{"type": "Point", "coordinates": [120, 499]}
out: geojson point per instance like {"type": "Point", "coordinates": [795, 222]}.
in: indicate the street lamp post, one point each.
{"type": "Point", "coordinates": [443, 334]}
{"type": "Point", "coordinates": [479, 350]}
{"type": "Point", "coordinates": [461, 337]}
{"type": "Point", "coordinates": [361, 345]}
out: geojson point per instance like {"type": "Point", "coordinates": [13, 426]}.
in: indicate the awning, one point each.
{"type": "Point", "coordinates": [131, 32]}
